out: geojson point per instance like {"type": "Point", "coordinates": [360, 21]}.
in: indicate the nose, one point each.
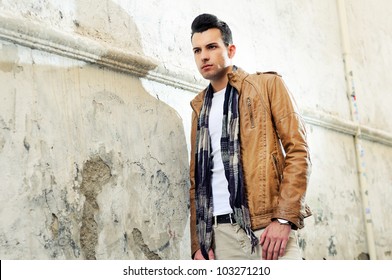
{"type": "Point", "coordinates": [204, 56]}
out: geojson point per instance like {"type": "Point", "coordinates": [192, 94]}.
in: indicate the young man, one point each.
{"type": "Point", "coordinates": [249, 163]}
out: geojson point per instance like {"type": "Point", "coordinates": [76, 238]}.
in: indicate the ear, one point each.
{"type": "Point", "coordinates": [231, 51]}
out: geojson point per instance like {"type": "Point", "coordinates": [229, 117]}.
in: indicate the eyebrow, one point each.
{"type": "Point", "coordinates": [212, 44]}
{"type": "Point", "coordinates": [207, 45]}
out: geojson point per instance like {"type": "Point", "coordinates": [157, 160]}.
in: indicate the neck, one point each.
{"type": "Point", "coordinates": [221, 83]}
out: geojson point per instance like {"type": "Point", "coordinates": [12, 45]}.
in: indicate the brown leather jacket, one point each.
{"type": "Point", "coordinates": [274, 151]}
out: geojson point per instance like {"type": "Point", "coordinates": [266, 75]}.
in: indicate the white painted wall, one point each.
{"type": "Point", "coordinates": [51, 78]}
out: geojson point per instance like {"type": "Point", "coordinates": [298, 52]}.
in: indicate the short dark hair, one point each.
{"type": "Point", "coordinates": [204, 22]}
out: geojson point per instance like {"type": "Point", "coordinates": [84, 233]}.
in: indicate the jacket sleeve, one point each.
{"type": "Point", "coordinates": [290, 128]}
{"type": "Point", "coordinates": [193, 232]}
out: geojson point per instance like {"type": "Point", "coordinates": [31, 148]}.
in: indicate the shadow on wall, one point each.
{"type": "Point", "coordinates": [102, 166]}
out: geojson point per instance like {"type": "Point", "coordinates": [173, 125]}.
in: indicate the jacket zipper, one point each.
{"type": "Point", "coordinates": [277, 169]}
{"type": "Point", "coordinates": [252, 122]}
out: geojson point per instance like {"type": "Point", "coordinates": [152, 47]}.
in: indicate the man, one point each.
{"type": "Point", "coordinates": [250, 163]}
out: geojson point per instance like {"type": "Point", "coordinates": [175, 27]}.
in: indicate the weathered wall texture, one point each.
{"type": "Point", "coordinates": [92, 166]}
{"type": "Point", "coordinates": [94, 122]}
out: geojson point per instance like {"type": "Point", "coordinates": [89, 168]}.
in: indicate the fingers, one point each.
{"type": "Point", "coordinates": [199, 255]}
{"type": "Point", "coordinates": [262, 237]}
{"type": "Point", "coordinates": [283, 248]}
{"type": "Point", "coordinates": [272, 249]}
{"type": "Point", "coordinates": [274, 240]}
{"type": "Point", "coordinates": [265, 246]}
{"type": "Point", "coordinates": [211, 254]}
{"type": "Point", "coordinates": [276, 250]}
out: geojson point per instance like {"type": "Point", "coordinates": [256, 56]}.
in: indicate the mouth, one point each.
{"type": "Point", "coordinates": [206, 66]}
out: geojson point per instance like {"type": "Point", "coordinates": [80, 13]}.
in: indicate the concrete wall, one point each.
{"type": "Point", "coordinates": [95, 116]}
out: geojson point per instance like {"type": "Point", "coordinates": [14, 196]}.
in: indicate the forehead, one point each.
{"type": "Point", "coordinates": [209, 36]}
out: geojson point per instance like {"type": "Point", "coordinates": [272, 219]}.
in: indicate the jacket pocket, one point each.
{"type": "Point", "coordinates": [277, 168]}
{"type": "Point", "coordinates": [250, 111]}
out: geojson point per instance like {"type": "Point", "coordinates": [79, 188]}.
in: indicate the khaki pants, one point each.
{"type": "Point", "coordinates": [232, 243]}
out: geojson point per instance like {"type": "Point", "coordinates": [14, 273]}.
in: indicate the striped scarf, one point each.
{"type": "Point", "coordinates": [230, 149]}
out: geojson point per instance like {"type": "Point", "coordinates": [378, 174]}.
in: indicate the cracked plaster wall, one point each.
{"type": "Point", "coordinates": [92, 166]}
{"type": "Point", "coordinates": [88, 158]}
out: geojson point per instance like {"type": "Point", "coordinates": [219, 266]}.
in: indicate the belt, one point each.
{"type": "Point", "coordinates": [224, 219]}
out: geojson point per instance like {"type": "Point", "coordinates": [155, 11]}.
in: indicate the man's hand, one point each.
{"type": "Point", "coordinates": [199, 256]}
{"type": "Point", "coordinates": [274, 240]}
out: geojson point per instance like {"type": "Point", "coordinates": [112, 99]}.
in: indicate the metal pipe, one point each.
{"type": "Point", "coordinates": [362, 178]}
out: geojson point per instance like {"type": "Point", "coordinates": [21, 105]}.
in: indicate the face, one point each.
{"type": "Point", "coordinates": [212, 56]}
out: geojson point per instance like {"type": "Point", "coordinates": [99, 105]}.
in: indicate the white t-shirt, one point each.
{"type": "Point", "coordinates": [220, 191]}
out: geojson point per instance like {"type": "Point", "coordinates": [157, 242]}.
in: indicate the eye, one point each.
{"type": "Point", "coordinates": [196, 51]}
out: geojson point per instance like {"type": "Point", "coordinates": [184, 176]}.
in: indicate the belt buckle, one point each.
{"type": "Point", "coordinates": [231, 218]}
{"type": "Point", "coordinates": [215, 221]}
